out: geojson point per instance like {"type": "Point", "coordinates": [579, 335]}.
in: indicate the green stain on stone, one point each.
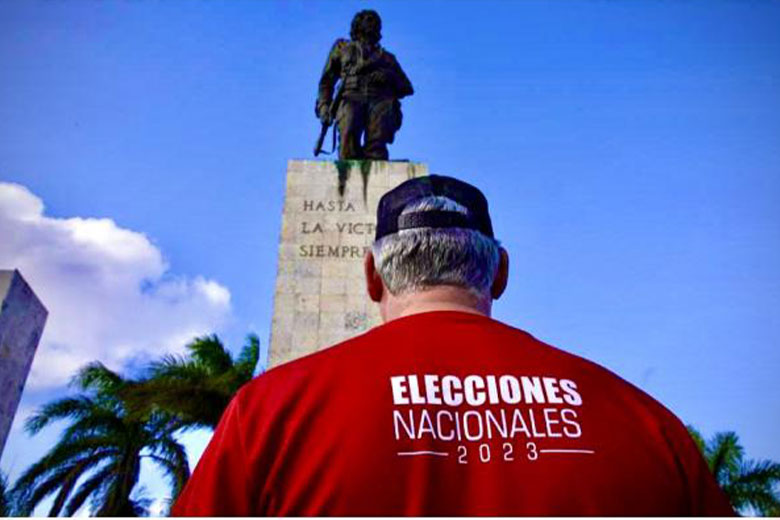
{"type": "Point", "coordinates": [345, 167]}
{"type": "Point", "coordinates": [365, 171]}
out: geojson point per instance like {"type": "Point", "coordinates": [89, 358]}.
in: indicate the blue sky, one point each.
{"type": "Point", "coordinates": [629, 151]}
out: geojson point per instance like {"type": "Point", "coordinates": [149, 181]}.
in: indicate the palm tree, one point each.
{"type": "Point", "coordinates": [5, 496]}
{"type": "Point", "coordinates": [197, 388]}
{"type": "Point", "coordinates": [751, 485]}
{"type": "Point", "coordinates": [99, 454]}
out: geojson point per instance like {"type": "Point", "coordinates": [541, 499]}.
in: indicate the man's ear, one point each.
{"type": "Point", "coordinates": [374, 284]}
{"type": "Point", "coordinates": [502, 274]}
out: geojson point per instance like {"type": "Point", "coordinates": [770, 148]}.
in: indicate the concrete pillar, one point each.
{"type": "Point", "coordinates": [22, 317]}
{"type": "Point", "coordinates": [327, 225]}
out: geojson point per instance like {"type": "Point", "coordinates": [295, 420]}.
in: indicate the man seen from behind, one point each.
{"type": "Point", "coordinates": [443, 410]}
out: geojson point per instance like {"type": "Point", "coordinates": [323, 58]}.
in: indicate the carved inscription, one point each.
{"type": "Point", "coordinates": [328, 205]}
{"type": "Point", "coordinates": [328, 226]}
{"type": "Point", "coordinates": [350, 228]}
{"type": "Point", "coordinates": [314, 227]}
{"type": "Point", "coordinates": [325, 251]}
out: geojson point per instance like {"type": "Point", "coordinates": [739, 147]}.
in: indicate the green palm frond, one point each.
{"type": "Point", "coordinates": [99, 424]}
{"type": "Point", "coordinates": [95, 376]}
{"type": "Point", "coordinates": [28, 500]}
{"type": "Point", "coordinates": [754, 502]}
{"type": "Point", "coordinates": [115, 500]}
{"type": "Point", "coordinates": [750, 485]}
{"type": "Point", "coordinates": [68, 408]}
{"type": "Point", "coordinates": [698, 439]}
{"type": "Point", "coordinates": [61, 477]}
{"type": "Point", "coordinates": [5, 496]}
{"type": "Point", "coordinates": [66, 486]}
{"type": "Point", "coordinates": [114, 422]}
{"type": "Point", "coordinates": [180, 367]}
{"type": "Point", "coordinates": [176, 473]}
{"type": "Point", "coordinates": [753, 486]}
{"type": "Point", "coordinates": [758, 473]}
{"type": "Point", "coordinates": [211, 353]}
{"type": "Point", "coordinates": [172, 459]}
{"type": "Point", "coordinates": [61, 467]}
{"type": "Point", "coordinates": [725, 456]}
{"type": "Point", "coordinates": [90, 486]}
{"type": "Point", "coordinates": [99, 453]}
{"type": "Point", "coordinates": [196, 389]}
{"type": "Point", "coordinates": [248, 357]}
{"type": "Point", "coordinates": [62, 454]}
{"type": "Point", "coordinates": [194, 402]}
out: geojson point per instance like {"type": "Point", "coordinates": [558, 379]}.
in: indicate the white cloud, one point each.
{"type": "Point", "coordinates": [110, 294]}
{"type": "Point", "coordinates": [159, 507]}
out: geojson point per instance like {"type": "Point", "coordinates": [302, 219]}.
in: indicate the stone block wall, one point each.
{"type": "Point", "coordinates": [328, 224]}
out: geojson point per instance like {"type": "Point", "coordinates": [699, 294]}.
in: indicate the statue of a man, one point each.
{"type": "Point", "coordinates": [367, 109]}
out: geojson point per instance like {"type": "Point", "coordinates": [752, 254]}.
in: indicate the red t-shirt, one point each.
{"type": "Point", "coordinates": [448, 413]}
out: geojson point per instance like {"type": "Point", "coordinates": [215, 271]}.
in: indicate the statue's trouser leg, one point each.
{"type": "Point", "coordinates": [383, 121]}
{"type": "Point", "coordinates": [351, 119]}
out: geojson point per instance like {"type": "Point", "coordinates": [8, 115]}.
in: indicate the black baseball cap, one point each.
{"type": "Point", "coordinates": [392, 203]}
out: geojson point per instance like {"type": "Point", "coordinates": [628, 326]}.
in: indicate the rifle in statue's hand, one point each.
{"type": "Point", "coordinates": [332, 109]}
{"type": "Point", "coordinates": [323, 132]}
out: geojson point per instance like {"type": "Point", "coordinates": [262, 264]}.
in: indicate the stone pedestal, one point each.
{"type": "Point", "coordinates": [22, 317]}
{"type": "Point", "coordinates": [328, 225]}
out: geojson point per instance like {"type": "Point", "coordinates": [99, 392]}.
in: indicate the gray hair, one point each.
{"type": "Point", "coordinates": [415, 259]}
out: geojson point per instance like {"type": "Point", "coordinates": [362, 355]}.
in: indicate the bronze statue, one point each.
{"type": "Point", "coordinates": [366, 107]}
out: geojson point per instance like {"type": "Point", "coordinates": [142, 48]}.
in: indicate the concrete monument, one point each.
{"type": "Point", "coordinates": [328, 224]}
{"type": "Point", "coordinates": [22, 317]}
